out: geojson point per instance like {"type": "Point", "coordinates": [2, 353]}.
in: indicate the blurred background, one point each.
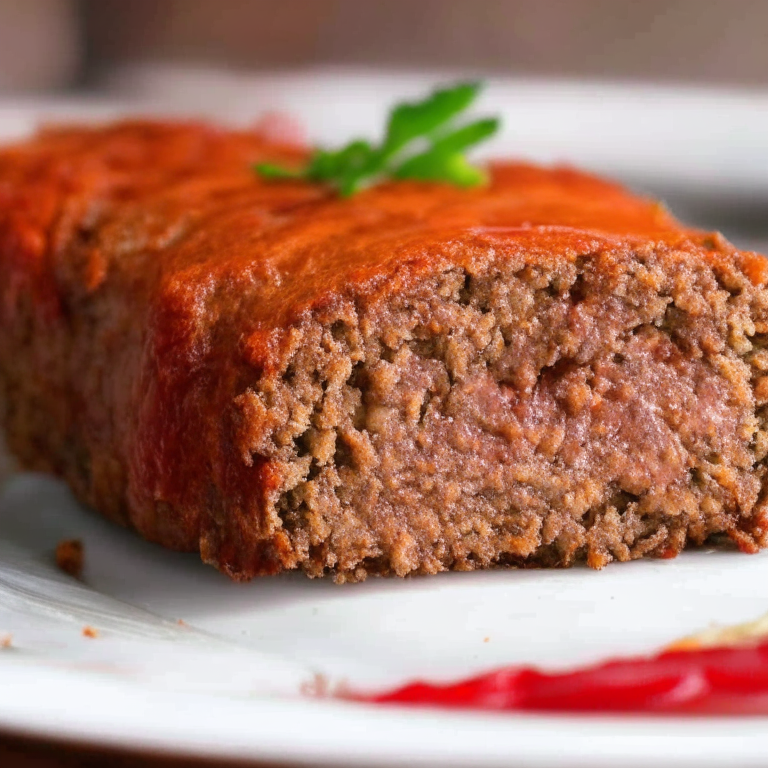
{"type": "Point", "coordinates": [56, 44]}
{"type": "Point", "coordinates": [693, 40]}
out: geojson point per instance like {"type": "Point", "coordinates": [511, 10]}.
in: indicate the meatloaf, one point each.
{"type": "Point", "coordinates": [419, 378]}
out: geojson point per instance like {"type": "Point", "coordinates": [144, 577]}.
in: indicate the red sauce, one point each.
{"type": "Point", "coordinates": [726, 680]}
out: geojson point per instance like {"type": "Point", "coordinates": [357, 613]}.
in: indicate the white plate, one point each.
{"type": "Point", "coordinates": [228, 681]}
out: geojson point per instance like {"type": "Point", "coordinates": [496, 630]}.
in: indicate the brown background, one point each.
{"type": "Point", "coordinates": [723, 41]}
{"type": "Point", "coordinates": [47, 44]}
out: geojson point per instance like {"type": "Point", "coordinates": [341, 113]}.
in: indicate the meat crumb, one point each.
{"type": "Point", "coordinates": [91, 632]}
{"type": "Point", "coordinates": [319, 686]}
{"type": "Point", "coordinates": [6, 641]}
{"type": "Point", "coordinates": [69, 557]}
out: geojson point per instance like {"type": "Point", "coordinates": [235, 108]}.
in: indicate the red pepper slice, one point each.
{"type": "Point", "coordinates": [723, 680]}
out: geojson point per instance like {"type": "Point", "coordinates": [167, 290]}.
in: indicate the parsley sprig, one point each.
{"type": "Point", "coordinates": [424, 140]}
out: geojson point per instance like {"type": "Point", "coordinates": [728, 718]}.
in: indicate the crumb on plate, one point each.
{"type": "Point", "coordinates": [319, 686]}
{"type": "Point", "coordinates": [6, 640]}
{"type": "Point", "coordinates": [69, 557]}
{"type": "Point", "coordinates": [89, 631]}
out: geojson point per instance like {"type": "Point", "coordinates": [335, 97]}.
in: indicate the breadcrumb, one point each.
{"type": "Point", "coordinates": [91, 632]}
{"type": "Point", "coordinates": [6, 641]}
{"type": "Point", "coordinates": [319, 686]}
{"type": "Point", "coordinates": [69, 557]}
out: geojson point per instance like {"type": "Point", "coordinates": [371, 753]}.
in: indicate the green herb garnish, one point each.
{"type": "Point", "coordinates": [423, 141]}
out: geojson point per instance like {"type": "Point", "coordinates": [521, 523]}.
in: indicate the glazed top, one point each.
{"type": "Point", "coordinates": [175, 210]}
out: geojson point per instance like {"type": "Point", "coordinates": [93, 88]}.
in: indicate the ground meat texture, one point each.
{"type": "Point", "coordinates": [416, 379]}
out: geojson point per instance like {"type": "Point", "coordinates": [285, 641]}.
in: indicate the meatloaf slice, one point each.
{"type": "Point", "coordinates": [415, 379]}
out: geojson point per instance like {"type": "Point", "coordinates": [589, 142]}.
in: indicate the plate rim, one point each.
{"type": "Point", "coordinates": [264, 728]}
